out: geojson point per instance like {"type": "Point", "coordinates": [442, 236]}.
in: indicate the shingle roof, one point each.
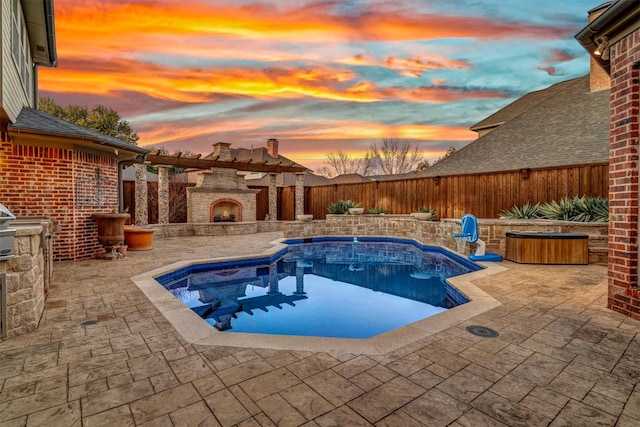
{"type": "Point", "coordinates": [35, 121]}
{"type": "Point", "coordinates": [348, 178]}
{"type": "Point", "coordinates": [568, 126]}
{"type": "Point", "coordinates": [288, 179]}
{"type": "Point", "coordinates": [518, 107]}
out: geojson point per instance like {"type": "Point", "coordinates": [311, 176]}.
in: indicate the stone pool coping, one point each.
{"type": "Point", "coordinates": [196, 330]}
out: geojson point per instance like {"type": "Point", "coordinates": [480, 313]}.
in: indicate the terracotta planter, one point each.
{"type": "Point", "coordinates": [110, 227]}
{"type": "Point", "coordinates": [138, 239]}
{"type": "Point", "coordinates": [110, 232]}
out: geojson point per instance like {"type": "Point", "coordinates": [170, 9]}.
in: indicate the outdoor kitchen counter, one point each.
{"type": "Point", "coordinates": [22, 284]}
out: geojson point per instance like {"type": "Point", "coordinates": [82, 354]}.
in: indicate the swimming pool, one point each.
{"type": "Point", "coordinates": [329, 287]}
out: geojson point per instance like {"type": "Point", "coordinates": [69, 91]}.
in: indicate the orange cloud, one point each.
{"type": "Point", "coordinates": [123, 27]}
{"type": "Point", "coordinates": [409, 67]}
{"type": "Point", "coordinates": [201, 85]}
{"type": "Point", "coordinates": [252, 128]}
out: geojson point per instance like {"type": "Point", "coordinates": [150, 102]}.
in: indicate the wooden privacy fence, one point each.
{"type": "Point", "coordinates": [484, 195]}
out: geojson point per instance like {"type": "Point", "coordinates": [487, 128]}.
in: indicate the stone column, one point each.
{"type": "Point", "coordinates": [142, 210]}
{"type": "Point", "coordinates": [273, 197]}
{"type": "Point", "coordinates": [274, 285]}
{"type": "Point", "coordinates": [299, 281]}
{"type": "Point", "coordinates": [299, 194]}
{"type": "Point", "coordinates": [163, 194]}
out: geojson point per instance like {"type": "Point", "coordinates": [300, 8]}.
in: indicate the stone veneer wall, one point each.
{"type": "Point", "coordinates": [440, 233]}
{"type": "Point", "coordinates": [215, 228]}
{"type": "Point", "coordinates": [25, 282]}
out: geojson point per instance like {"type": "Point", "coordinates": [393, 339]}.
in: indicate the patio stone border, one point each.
{"type": "Point", "coordinates": [195, 330]}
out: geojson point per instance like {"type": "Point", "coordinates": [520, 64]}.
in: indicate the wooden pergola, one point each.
{"type": "Point", "coordinates": [181, 160]}
{"type": "Point", "coordinates": [196, 162]}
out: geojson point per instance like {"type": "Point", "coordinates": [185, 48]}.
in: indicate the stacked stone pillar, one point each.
{"type": "Point", "coordinates": [142, 210]}
{"type": "Point", "coordinates": [299, 194]}
{"type": "Point", "coordinates": [273, 197]}
{"type": "Point", "coordinates": [163, 194]}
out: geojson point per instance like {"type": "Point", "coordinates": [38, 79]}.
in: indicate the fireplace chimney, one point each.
{"type": "Point", "coordinates": [221, 149]}
{"type": "Point", "coordinates": [272, 147]}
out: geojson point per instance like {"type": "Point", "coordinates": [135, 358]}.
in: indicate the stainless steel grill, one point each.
{"type": "Point", "coordinates": [6, 233]}
{"type": "Point", "coordinates": [3, 304]}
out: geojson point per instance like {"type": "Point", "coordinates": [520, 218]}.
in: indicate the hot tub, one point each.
{"type": "Point", "coordinates": [547, 247]}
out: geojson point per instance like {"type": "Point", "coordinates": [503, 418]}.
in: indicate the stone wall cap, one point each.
{"type": "Point", "coordinates": [27, 230]}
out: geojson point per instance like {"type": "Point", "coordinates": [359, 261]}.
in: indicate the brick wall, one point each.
{"type": "Point", "coordinates": [65, 184]}
{"type": "Point", "coordinates": [623, 177]}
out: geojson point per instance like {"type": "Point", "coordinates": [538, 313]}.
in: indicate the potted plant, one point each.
{"type": "Point", "coordinates": [354, 208]}
{"type": "Point", "coordinates": [425, 214]}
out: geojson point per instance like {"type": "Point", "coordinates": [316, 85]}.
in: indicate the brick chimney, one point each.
{"type": "Point", "coordinates": [598, 78]}
{"type": "Point", "coordinates": [221, 149]}
{"type": "Point", "coordinates": [272, 147]}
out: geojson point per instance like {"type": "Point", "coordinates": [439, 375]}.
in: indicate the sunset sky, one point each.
{"type": "Point", "coordinates": [319, 76]}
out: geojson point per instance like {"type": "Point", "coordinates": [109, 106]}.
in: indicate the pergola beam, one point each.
{"type": "Point", "coordinates": [191, 163]}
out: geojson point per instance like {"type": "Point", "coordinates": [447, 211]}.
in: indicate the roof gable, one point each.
{"type": "Point", "coordinates": [518, 107]}
{"type": "Point", "coordinates": [571, 127]}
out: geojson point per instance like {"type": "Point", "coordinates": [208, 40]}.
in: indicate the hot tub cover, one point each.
{"type": "Point", "coordinates": [545, 235]}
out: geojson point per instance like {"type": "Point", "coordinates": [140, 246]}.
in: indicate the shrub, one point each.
{"type": "Point", "coordinates": [377, 211]}
{"type": "Point", "coordinates": [578, 209]}
{"type": "Point", "coordinates": [525, 212]}
{"type": "Point", "coordinates": [342, 207]}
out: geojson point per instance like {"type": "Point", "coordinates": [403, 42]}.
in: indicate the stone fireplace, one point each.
{"type": "Point", "coordinates": [221, 195]}
{"type": "Point", "coordinates": [225, 210]}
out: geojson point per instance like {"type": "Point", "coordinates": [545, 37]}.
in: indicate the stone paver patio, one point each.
{"type": "Point", "coordinates": [562, 359]}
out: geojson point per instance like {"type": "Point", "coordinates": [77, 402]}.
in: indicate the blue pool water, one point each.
{"type": "Point", "coordinates": [329, 287]}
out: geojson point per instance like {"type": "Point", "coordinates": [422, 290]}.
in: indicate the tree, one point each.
{"type": "Point", "coordinates": [426, 164]}
{"type": "Point", "coordinates": [394, 156]}
{"type": "Point", "coordinates": [99, 118]}
{"type": "Point", "coordinates": [339, 163]}
{"type": "Point", "coordinates": [391, 157]}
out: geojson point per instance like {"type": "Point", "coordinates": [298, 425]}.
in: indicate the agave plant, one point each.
{"type": "Point", "coordinates": [528, 211]}
{"type": "Point", "coordinates": [351, 204]}
{"type": "Point", "coordinates": [579, 209]}
{"type": "Point", "coordinates": [428, 210]}
{"type": "Point", "coordinates": [598, 209]}
{"type": "Point", "coordinates": [342, 206]}
{"type": "Point", "coordinates": [377, 211]}
{"type": "Point", "coordinates": [564, 210]}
